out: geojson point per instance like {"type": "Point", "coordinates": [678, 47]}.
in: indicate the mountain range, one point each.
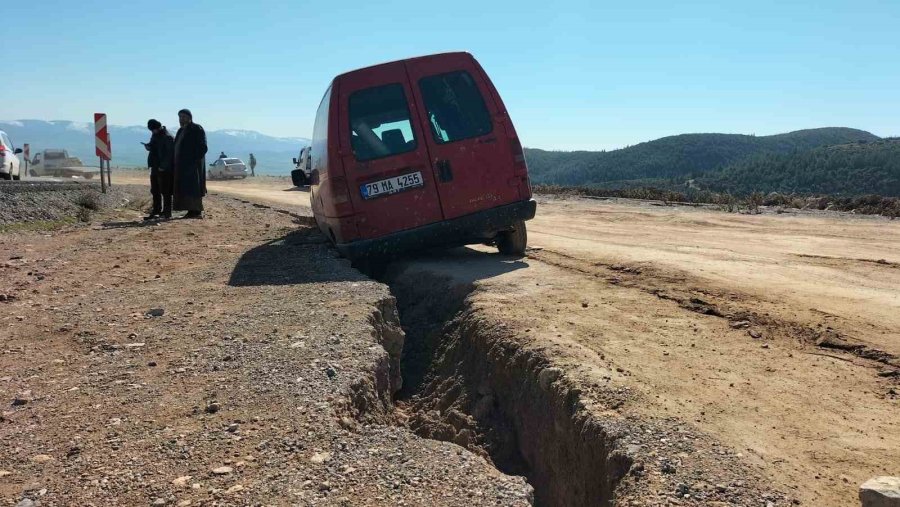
{"type": "Point", "coordinates": [273, 154]}
{"type": "Point", "coordinates": [833, 160]}
{"type": "Point", "coordinates": [674, 157]}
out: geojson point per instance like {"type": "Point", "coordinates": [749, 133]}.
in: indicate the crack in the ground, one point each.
{"type": "Point", "coordinates": [638, 277]}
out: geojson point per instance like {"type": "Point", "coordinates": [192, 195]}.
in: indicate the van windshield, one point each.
{"type": "Point", "coordinates": [456, 109]}
{"type": "Point", "coordinates": [379, 122]}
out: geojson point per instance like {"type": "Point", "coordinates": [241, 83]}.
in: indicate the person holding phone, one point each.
{"type": "Point", "coordinates": [161, 161]}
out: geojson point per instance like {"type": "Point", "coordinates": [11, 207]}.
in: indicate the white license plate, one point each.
{"type": "Point", "coordinates": [391, 185]}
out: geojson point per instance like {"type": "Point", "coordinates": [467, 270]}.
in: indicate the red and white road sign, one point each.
{"type": "Point", "coordinates": [26, 149]}
{"type": "Point", "coordinates": [104, 149]}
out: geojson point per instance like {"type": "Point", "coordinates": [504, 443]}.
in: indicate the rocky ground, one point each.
{"type": "Point", "coordinates": [229, 361]}
{"type": "Point", "coordinates": [639, 355]}
{"type": "Point", "coordinates": [38, 202]}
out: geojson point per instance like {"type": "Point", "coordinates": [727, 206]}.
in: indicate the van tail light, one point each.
{"type": "Point", "coordinates": [521, 168]}
{"type": "Point", "coordinates": [340, 196]}
{"type": "Point", "coordinates": [2, 150]}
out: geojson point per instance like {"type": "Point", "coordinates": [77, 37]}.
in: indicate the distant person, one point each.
{"type": "Point", "coordinates": [252, 165]}
{"type": "Point", "coordinates": [190, 173]}
{"type": "Point", "coordinates": [223, 155]}
{"type": "Point", "coordinates": [161, 161]}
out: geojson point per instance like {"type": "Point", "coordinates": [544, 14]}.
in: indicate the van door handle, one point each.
{"type": "Point", "coordinates": [445, 172]}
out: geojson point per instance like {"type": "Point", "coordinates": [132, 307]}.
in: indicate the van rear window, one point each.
{"type": "Point", "coordinates": [380, 125]}
{"type": "Point", "coordinates": [455, 107]}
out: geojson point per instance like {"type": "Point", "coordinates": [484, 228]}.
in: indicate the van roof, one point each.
{"type": "Point", "coordinates": [437, 56]}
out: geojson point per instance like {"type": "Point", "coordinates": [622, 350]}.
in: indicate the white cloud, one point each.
{"type": "Point", "coordinates": [14, 123]}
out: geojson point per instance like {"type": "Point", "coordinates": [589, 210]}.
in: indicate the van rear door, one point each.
{"type": "Point", "coordinates": [385, 157]}
{"type": "Point", "coordinates": [469, 147]}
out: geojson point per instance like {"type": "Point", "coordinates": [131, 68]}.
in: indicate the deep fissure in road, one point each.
{"type": "Point", "coordinates": [466, 381]}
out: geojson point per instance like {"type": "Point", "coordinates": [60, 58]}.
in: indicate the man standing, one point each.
{"type": "Point", "coordinates": [252, 165]}
{"type": "Point", "coordinates": [160, 159]}
{"type": "Point", "coordinates": [190, 174]}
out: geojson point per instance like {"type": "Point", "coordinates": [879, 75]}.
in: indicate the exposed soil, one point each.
{"type": "Point", "coordinates": [646, 355]}
{"type": "Point", "coordinates": [229, 361]}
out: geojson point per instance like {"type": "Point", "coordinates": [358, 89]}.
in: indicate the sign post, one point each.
{"type": "Point", "coordinates": [26, 149]}
{"type": "Point", "coordinates": [104, 151]}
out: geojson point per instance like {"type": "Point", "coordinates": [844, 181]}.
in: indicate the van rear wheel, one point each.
{"type": "Point", "coordinates": [513, 242]}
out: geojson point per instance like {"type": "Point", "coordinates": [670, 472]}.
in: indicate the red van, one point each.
{"type": "Point", "coordinates": [418, 153]}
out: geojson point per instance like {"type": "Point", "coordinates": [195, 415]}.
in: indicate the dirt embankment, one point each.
{"type": "Point", "coordinates": [31, 204]}
{"type": "Point", "coordinates": [233, 360]}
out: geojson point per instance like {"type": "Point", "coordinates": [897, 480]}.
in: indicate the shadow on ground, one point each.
{"type": "Point", "coordinates": [303, 256]}
{"type": "Point", "coordinates": [131, 224]}
{"type": "Point", "coordinates": [462, 265]}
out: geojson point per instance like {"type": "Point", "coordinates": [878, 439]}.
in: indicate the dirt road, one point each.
{"type": "Point", "coordinates": [775, 335]}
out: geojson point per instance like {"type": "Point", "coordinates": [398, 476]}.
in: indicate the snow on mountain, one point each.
{"type": "Point", "coordinates": [274, 154]}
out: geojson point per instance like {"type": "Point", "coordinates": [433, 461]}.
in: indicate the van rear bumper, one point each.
{"type": "Point", "coordinates": [475, 228]}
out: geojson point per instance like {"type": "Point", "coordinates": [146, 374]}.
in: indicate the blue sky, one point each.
{"type": "Point", "coordinates": [574, 75]}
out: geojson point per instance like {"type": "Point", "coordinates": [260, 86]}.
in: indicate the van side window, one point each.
{"type": "Point", "coordinates": [380, 123]}
{"type": "Point", "coordinates": [455, 107]}
{"type": "Point", "coordinates": [319, 150]}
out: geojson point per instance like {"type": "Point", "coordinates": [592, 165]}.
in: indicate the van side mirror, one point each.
{"type": "Point", "coordinates": [17, 151]}
{"type": "Point", "coordinates": [295, 161]}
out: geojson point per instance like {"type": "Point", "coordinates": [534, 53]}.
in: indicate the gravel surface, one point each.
{"type": "Point", "coordinates": [229, 361]}
{"type": "Point", "coordinates": [25, 201]}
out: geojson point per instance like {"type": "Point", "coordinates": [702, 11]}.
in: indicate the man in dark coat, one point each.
{"type": "Point", "coordinates": [160, 160]}
{"type": "Point", "coordinates": [190, 173]}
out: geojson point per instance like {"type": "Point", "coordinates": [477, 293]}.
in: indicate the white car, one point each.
{"type": "Point", "coordinates": [9, 162]}
{"type": "Point", "coordinates": [227, 168]}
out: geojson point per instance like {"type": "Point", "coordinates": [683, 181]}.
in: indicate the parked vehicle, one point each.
{"type": "Point", "coordinates": [303, 167]}
{"type": "Point", "coordinates": [418, 153]}
{"type": "Point", "coordinates": [9, 162]}
{"type": "Point", "coordinates": [58, 163]}
{"type": "Point", "coordinates": [224, 168]}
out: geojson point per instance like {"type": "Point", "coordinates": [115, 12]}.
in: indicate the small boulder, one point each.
{"type": "Point", "coordinates": [880, 492]}
{"type": "Point", "coordinates": [222, 470]}
{"type": "Point", "coordinates": [320, 457]}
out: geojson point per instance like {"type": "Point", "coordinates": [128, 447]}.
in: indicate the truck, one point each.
{"type": "Point", "coordinates": [300, 176]}
{"type": "Point", "coordinates": [58, 163]}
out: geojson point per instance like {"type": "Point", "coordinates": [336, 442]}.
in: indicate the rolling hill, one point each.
{"type": "Point", "coordinates": [845, 170]}
{"type": "Point", "coordinates": [273, 154]}
{"type": "Point", "coordinates": [678, 157]}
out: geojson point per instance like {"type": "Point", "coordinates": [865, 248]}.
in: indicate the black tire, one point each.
{"type": "Point", "coordinates": [298, 177]}
{"type": "Point", "coordinates": [513, 242]}
{"type": "Point", "coordinates": [16, 177]}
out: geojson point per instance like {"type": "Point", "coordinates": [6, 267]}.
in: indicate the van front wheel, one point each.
{"type": "Point", "coordinates": [513, 242]}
